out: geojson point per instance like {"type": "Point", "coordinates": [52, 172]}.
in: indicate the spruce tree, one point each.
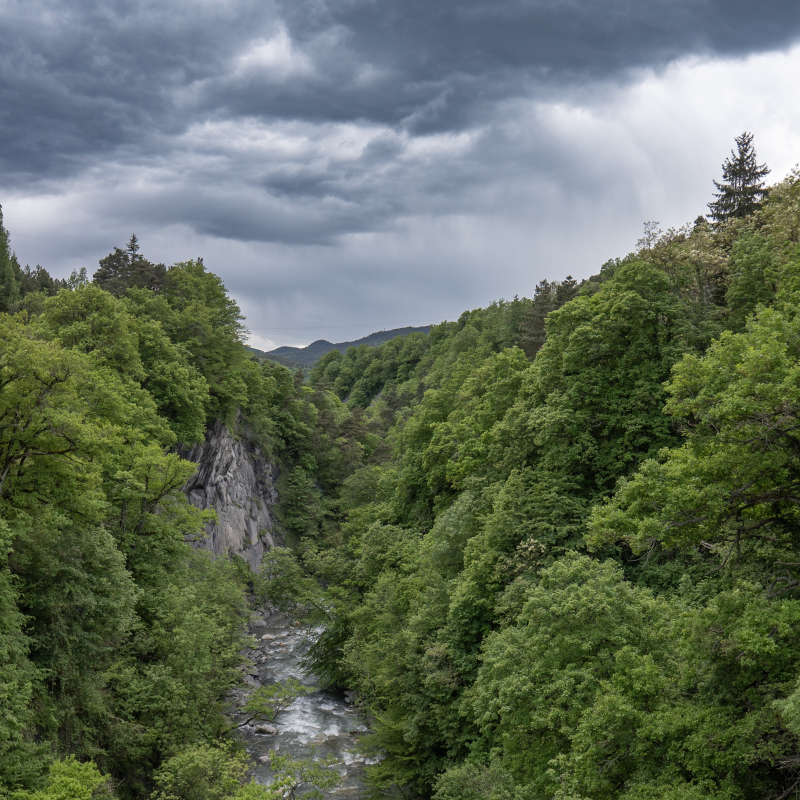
{"type": "Point", "coordinates": [742, 187]}
{"type": "Point", "coordinates": [133, 246]}
{"type": "Point", "coordinates": [127, 268]}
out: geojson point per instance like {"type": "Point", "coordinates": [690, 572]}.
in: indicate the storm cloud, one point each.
{"type": "Point", "coordinates": [330, 157]}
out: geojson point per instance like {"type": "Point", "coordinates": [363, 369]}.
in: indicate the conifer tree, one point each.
{"type": "Point", "coordinates": [742, 187]}
{"type": "Point", "coordinates": [127, 268]}
{"type": "Point", "coordinates": [133, 246]}
{"type": "Point", "coordinates": [9, 271]}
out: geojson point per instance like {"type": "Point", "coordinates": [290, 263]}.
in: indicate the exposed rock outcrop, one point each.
{"type": "Point", "coordinates": [236, 481]}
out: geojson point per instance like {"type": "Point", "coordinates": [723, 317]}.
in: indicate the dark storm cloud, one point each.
{"type": "Point", "coordinates": [438, 62]}
{"type": "Point", "coordinates": [83, 78]}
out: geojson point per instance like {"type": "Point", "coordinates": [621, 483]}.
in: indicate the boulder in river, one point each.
{"type": "Point", "coordinates": [267, 730]}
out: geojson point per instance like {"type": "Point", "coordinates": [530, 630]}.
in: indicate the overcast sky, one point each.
{"type": "Point", "coordinates": [350, 165]}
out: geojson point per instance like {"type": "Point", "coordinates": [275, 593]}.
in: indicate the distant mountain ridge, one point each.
{"type": "Point", "coordinates": [308, 356]}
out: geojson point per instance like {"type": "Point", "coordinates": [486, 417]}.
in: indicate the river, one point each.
{"type": "Point", "coordinates": [318, 725]}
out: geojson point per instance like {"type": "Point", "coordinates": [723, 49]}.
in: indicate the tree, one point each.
{"type": "Point", "coordinates": [742, 187]}
{"type": "Point", "coordinates": [73, 780]}
{"type": "Point", "coordinates": [9, 271]}
{"type": "Point", "coordinates": [128, 268]}
{"type": "Point", "coordinates": [267, 702]}
{"type": "Point", "coordinates": [547, 296]}
{"type": "Point", "coordinates": [207, 772]}
{"type": "Point", "coordinates": [580, 628]}
{"type": "Point", "coordinates": [732, 488]}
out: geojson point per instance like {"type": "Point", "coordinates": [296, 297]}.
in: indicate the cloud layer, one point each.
{"type": "Point", "coordinates": [336, 160]}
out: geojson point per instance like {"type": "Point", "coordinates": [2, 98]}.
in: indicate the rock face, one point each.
{"type": "Point", "coordinates": [236, 481]}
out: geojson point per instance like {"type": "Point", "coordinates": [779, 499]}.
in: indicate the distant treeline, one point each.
{"type": "Point", "coordinates": [298, 357]}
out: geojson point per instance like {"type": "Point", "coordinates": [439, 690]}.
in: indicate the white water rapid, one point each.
{"type": "Point", "coordinates": [319, 725]}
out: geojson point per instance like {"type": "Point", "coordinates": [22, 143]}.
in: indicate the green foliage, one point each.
{"type": "Point", "coordinates": [291, 774]}
{"type": "Point", "coordinates": [496, 659]}
{"type": "Point", "coordinates": [197, 315]}
{"type": "Point", "coordinates": [470, 781]}
{"type": "Point", "coordinates": [9, 272]}
{"type": "Point", "coordinates": [579, 626]}
{"type": "Point", "coordinates": [70, 780]}
{"type": "Point", "coordinates": [124, 269]}
{"type": "Point", "coordinates": [203, 772]}
{"type": "Point", "coordinates": [742, 187]}
{"type": "Point", "coordinates": [753, 278]}
{"type": "Point", "coordinates": [730, 488]}
{"type": "Point", "coordinates": [118, 643]}
{"type": "Point", "coordinates": [547, 296]}
{"type": "Point", "coordinates": [283, 582]}
{"type": "Point", "coordinates": [213, 772]}
{"type": "Point", "coordinates": [18, 755]}
{"type": "Point", "coordinates": [265, 703]}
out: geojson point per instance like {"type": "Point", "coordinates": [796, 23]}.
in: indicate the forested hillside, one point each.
{"type": "Point", "coordinates": [309, 355]}
{"type": "Point", "coordinates": [119, 642]}
{"type": "Point", "coordinates": [553, 544]}
{"type": "Point", "coordinates": [574, 571]}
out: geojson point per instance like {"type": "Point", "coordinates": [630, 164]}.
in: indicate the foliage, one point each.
{"type": "Point", "coordinates": [127, 268]}
{"type": "Point", "coordinates": [266, 702]}
{"type": "Point", "coordinates": [9, 269]}
{"type": "Point", "coordinates": [742, 187]}
{"type": "Point", "coordinates": [70, 780]}
{"type": "Point", "coordinates": [209, 772]}
{"type": "Point", "coordinates": [203, 772]}
{"type": "Point", "coordinates": [117, 642]}
{"type": "Point", "coordinates": [498, 658]}
{"type": "Point", "coordinates": [731, 488]}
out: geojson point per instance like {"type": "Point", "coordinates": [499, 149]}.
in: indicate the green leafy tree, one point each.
{"type": "Point", "coordinates": [208, 772]}
{"type": "Point", "coordinates": [731, 488]}
{"type": "Point", "coordinates": [547, 296]}
{"type": "Point", "coordinates": [19, 755]}
{"type": "Point", "coordinates": [126, 269]}
{"type": "Point", "coordinates": [580, 626]}
{"type": "Point", "coordinates": [265, 703]}
{"type": "Point", "coordinates": [202, 772]}
{"type": "Point", "coordinates": [71, 780]}
{"type": "Point", "coordinates": [197, 314]}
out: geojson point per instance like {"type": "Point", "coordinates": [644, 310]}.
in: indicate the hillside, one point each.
{"type": "Point", "coordinates": [308, 356]}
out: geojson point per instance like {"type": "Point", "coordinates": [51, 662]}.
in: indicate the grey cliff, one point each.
{"type": "Point", "coordinates": [236, 481]}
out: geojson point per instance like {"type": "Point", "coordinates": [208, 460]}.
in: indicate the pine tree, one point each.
{"type": "Point", "coordinates": [742, 187]}
{"type": "Point", "coordinates": [127, 268]}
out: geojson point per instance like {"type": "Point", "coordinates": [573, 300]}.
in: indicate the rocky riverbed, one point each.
{"type": "Point", "coordinates": [318, 725]}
